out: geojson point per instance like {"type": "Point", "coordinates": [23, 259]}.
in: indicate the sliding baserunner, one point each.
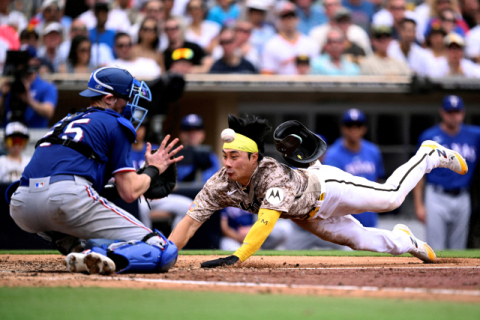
{"type": "Point", "coordinates": [319, 198]}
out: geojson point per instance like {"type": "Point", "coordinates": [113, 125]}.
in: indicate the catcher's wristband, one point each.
{"type": "Point", "coordinates": [151, 171]}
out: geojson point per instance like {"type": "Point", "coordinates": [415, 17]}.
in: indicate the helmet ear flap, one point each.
{"type": "Point", "coordinates": [297, 145]}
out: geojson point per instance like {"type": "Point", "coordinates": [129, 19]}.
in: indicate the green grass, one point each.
{"type": "Point", "coordinates": [103, 303]}
{"type": "Point", "coordinates": [470, 253]}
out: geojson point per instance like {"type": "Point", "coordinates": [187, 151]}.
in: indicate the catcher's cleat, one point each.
{"type": "Point", "coordinates": [420, 249]}
{"type": "Point", "coordinates": [91, 262]}
{"type": "Point", "coordinates": [448, 158]}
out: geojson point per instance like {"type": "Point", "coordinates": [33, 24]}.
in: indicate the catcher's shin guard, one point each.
{"type": "Point", "coordinates": [140, 257]}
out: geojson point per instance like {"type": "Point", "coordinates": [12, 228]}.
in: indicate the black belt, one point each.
{"type": "Point", "coordinates": [451, 192]}
{"type": "Point", "coordinates": [53, 179]}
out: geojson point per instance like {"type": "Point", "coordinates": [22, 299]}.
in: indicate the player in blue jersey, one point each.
{"type": "Point", "coordinates": [446, 207]}
{"type": "Point", "coordinates": [357, 156]}
{"type": "Point", "coordinates": [58, 195]}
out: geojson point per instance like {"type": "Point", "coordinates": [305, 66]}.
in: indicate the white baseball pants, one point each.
{"type": "Point", "coordinates": [346, 194]}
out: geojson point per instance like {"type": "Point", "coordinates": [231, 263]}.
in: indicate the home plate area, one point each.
{"type": "Point", "coordinates": [450, 279]}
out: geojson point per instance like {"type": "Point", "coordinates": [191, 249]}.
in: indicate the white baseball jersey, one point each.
{"type": "Point", "coordinates": [279, 53]}
{"type": "Point", "coordinates": [11, 170]}
{"type": "Point", "coordinates": [417, 59]}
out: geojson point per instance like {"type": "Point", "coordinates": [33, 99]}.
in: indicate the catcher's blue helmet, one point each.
{"type": "Point", "coordinates": [120, 83]}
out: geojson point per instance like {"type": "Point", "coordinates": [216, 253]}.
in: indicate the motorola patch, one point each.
{"type": "Point", "coordinates": [274, 195]}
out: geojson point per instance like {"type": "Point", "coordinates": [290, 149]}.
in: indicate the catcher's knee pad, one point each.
{"type": "Point", "coordinates": [140, 257]}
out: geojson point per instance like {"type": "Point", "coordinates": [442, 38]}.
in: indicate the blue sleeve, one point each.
{"type": "Point", "coordinates": [51, 95]}
{"type": "Point", "coordinates": [120, 151]}
{"type": "Point", "coordinates": [379, 165]}
{"type": "Point", "coordinates": [208, 173]}
{"type": "Point", "coordinates": [331, 160]}
{"type": "Point", "coordinates": [213, 16]}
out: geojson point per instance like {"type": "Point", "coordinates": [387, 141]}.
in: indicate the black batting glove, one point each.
{"type": "Point", "coordinates": [221, 262]}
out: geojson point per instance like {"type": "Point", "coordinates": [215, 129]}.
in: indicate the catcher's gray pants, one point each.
{"type": "Point", "coordinates": [73, 208]}
{"type": "Point", "coordinates": [448, 218]}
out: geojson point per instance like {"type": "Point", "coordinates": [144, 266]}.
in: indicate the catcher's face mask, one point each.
{"type": "Point", "coordinates": [297, 145]}
{"type": "Point", "coordinates": [133, 111]}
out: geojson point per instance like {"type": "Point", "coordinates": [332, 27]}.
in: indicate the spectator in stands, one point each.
{"type": "Point", "coordinates": [362, 12]}
{"type": "Point", "coordinates": [262, 31]}
{"type": "Point", "coordinates": [153, 9]}
{"type": "Point", "coordinates": [243, 46]}
{"type": "Point", "coordinates": [39, 100]}
{"type": "Point", "coordinates": [332, 61]}
{"type": "Point", "coordinates": [100, 33]}
{"type": "Point", "coordinates": [470, 10]}
{"type": "Point", "coordinates": [434, 44]}
{"type": "Point", "coordinates": [118, 23]}
{"type": "Point", "coordinates": [354, 33]}
{"type": "Point", "coordinates": [407, 50]}
{"type": "Point", "coordinates": [199, 162]}
{"type": "Point", "coordinates": [52, 38]}
{"type": "Point", "coordinates": [380, 63]}
{"type": "Point", "coordinates": [78, 57]}
{"type": "Point", "coordinates": [302, 63]}
{"type": "Point", "coordinates": [352, 51]}
{"type": "Point", "coordinates": [392, 15]}
{"type": "Point", "coordinates": [447, 19]}
{"type": "Point", "coordinates": [231, 62]}
{"type": "Point", "coordinates": [200, 31]}
{"type": "Point", "coordinates": [14, 162]}
{"type": "Point", "coordinates": [29, 37]}
{"type": "Point", "coordinates": [430, 10]}
{"type": "Point", "coordinates": [225, 13]}
{"type": "Point", "coordinates": [184, 56]}
{"type": "Point", "coordinates": [121, 9]}
{"type": "Point", "coordinates": [51, 11]}
{"type": "Point", "coordinates": [138, 67]}
{"type": "Point", "coordinates": [101, 54]}
{"type": "Point", "coordinates": [148, 38]}
{"type": "Point", "coordinates": [280, 51]}
{"type": "Point", "coordinates": [455, 65]}
{"type": "Point", "coordinates": [310, 15]}
{"type": "Point", "coordinates": [13, 18]}
{"type": "Point", "coordinates": [472, 43]}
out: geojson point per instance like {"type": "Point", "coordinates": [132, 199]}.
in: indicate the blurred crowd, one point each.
{"type": "Point", "coordinates": [435, 38]}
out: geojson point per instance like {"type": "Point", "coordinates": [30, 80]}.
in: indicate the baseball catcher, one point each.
{"type": "Point", "coordinates": [58, 195]}
{"type": "Point", "coordinates": [319, 198]}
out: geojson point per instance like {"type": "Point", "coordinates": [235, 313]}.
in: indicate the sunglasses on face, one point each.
{"type": "Point", "coordinates": [12, 141]}
{"type": "Point", "coordinates": [226, 41]}
{"type": "Point", "coordinates": [83, 50]}
{"type": "Point", "coordinates": [397, 8]}
{"type": "Point", "coordinates": [123, 45]}
{"type": "Point", "coordinates": [335, 41]}
{"type": "Point", "coordinates": [288, 15]}
{"type": "Point", "coordinates": [78, 29]}
{"type": "Point", "coordinates": [146, 29]}
{"type": "Point", "coordinates": [171, 28]}
{"type": "Point", "coordinates": [448, 20]}
{"type": "Point", "coordinates": [243, 30]}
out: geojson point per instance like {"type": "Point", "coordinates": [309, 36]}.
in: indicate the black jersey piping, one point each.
{"type": "Point", "coordinates": [378, 189]}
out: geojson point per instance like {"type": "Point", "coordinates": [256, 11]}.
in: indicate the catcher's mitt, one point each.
{"type": "Point", "coordinates": [163, 184]}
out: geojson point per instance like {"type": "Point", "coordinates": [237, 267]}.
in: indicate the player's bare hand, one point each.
{"type": "Point", "coordinates": [221, 262]}
{"type": "Point", "coordinates": [164, 156]}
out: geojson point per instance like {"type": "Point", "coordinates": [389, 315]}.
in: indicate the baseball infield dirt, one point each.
{"type": "Point", "coordinates": [392, 277]}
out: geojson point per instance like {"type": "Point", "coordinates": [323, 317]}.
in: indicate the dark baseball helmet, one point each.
{"type": "Point", "coordinates": [297, 145]}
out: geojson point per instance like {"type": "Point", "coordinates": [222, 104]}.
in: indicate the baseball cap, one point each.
{"type": "Point", "coordinates": [191, 121]}
{"type": "Point", "coordinates": [354, 115]}
{"type": "Point", "coordinates": [381, 31]}
{"type": "Point", "coordinates": [454, 38]}
{"type": "Point", "coordinates": [285, 7]}
{"type": "Point", "coordinates": [32, 52]}
{"type": "Point", "coordinates": [452, 103]}
{"type": "Point", "coordinates": [16, 129]}
{"type": "Point", "coordinates": [258, 4]}
{"type": "Point", "coordinates": [342, 12]}
{"type": "Point", "coordinates": [107, 80]}
{"type": "Point", "coordinates": [303, 58]}
{"type": "Point", "coordinates": [48, 3]}
{"type": "Point", "coordinates": [52, 27]}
